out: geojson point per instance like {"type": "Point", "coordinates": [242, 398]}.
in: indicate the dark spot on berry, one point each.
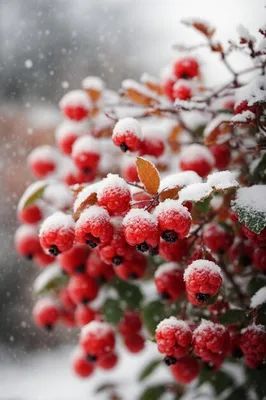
{"type": "Point", "coordinates": [170, 236]}
{"type": "Point", "coordinates": [124, 147]}
{"type": "Point", "coordinates": [169, 360]}
{"type": "Point", "coordinates": [49, 327]}
{"type": "Point", "coordinates": [85, 300]}
{"type": "Point", "coordinates": [117, 260]}
{"type": "Point", "coordinates": [244, 260]}
{"type": "Point", "coordinates": [29, 257]}
{"type": "Point", "coordinates": [80, 269]}
{"type": "Point", "coordinates": [132, 275]}
{"type": "Point", "coordinates": [100, 279]}
{"type": "Point", "coordinates": [86, 170]}
{"type": "Point", "coordinates": [185, 76]}
{"type": "Point", "coordinates": [54, 250]}
{"type": "Point", "coordinates": [143, 247]}
{"type": "Point", "coordinates": [237, 353]}
{"type": "Point", "coordinates": [91, 358]}
{"type": "Point", "coordinates": [164, 296]}
{"type": "Point", "coordinates": [220, 251]}
{"type": "Point", "coordinates": [154, 251]}
{"type": "Point", "coordinates": [202, 297]}
{"type": "Point", "coordinates": [92, 244]}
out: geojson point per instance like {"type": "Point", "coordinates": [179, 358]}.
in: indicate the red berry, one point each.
{"type": "Point", "coordinates": [169, 281]}
{"type": "Point", "coordinates": [57, 233]}
{"type": "Point", "coordinates": [197, 158]}
{"type": "Point", "coordinates": [174, 220]}
{"type": "Point", "coordinates": [81, 366]}
{"type": "Point", "coordinates": [30, 215]}
{"type": "Point", "coordinates": [127, 134]}
{"type": "Point", "coordinates": [84, 315]}
{"type": "Point", "coordinates": [182, 91]}
{"type": "Point", "coordinates": [241, 252]}
{"type": "Point", "coordinates": [43, 160]}
{"type": "Point", "coordinates": [107, 361]}
{"type": "Point", "coordinates": [167, 87]}
{"type": "Point", "coordinates": [129, 171]}
{"type": "Point", "coordinates": [42, 259]}
{"type": "Point", "coordinates": [76, 105]}
{"type": "Point", "coordinates": [173, 251]}
{"type": "Point", "coordinates": [97, 338]}
{"type": "Point", "coordinates": [217, 238]}
{"type": "Point", "coordinates": [253, 344]}
{"type": "Point", "coordinates": [141, 229]}
{"type": "Point", "coordinates": [254, 238]}
{"type": "Point", "coordinates": [222, 155]}
{"type": "Point", "coordinates": [211, 342]}
{"type": "Point", "coordinates": [74, 260]}
{"type": "Point", "coordinates": [82, 289]}
{"type": "Point", "coordinates": [114, 195]}
{"type": "Point", "coordinates": [173, 337]}
{"type": "Point", "coordinates": [66, 135]}
{"type": "Point", "coordinates": [97, 269]}
{"type": "Point", "coordinates": [94, 227]}
{"type": "Point", "coordinates": [65, 299]}
{"type": "Point", "coordinates": [134, 268]}
{"type": "Point", "coordinates": [130, 324]}
{"type": "Point", "coordinates": [185, 370]}
{"type": "Point", "coordinates": [86, 154]}
{"type": "Point", "coordinates": [152, 143]}
{"type": "Point", "coordinates": [259, 258]}
{"type": "Point", "coordinates": [186, 68]}
{"type": "Point", "coordinates": [27, 242]}
{"type": "Point", "coordinates": [134, 343]}
{"type": "Point", "coordinates": [203, 280]}
{"type": "Point", "coordinates": [45, 313]}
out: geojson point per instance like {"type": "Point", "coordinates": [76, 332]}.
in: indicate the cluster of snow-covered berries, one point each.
{"type": "Point", "coordinates": [164, 211]}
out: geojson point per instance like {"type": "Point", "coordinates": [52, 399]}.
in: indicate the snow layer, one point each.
{"type": "Point", "coordinates": [112, 181]}
{"type": "Point", "coordinates": [172, 322]}
{"type": "Point", "coordinates": [125, 125]}
{"type": "Point", "coordinates": [29, 192]}
{"type": "Point", "coordinates": [259, 298]}
{"type": "Point", "coordinates": [195, 152]}
{"type": "Point", "coordinates": [204, 265]}
{"type": "Point", "coordinates": [179, 179]}
{"type": "Point", "coordinates": [76, 98]}
{"type": "Point", "coordinates": [84, 194]}
{"type": "Point", "coordinates": [170, 204]}
{"type": "Point", "coordinates": [252, 198]}
{"type": "Point", "coordinates": [222, 180]}
{"type": "Point", "coordinates": [86, 144]}
{"type": "Point", "coordinates": [195, 192]}
{"type": "Point", "coordinates": [92, 213]}
{"type": "Point", "coordinates": [93, 82]}
{"type": "Point", "coordinates": [96, 327]}
{"type": "Point", "coordinates": [59, 195]}
{"type": "Point", "coordinates": [136, 214]}
{"type": "Point", "coordinates": [165, 268]}
{"type": "Point", "coordinates": [58, 220]}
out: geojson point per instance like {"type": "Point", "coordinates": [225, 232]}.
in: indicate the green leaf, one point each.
{"type": "Point", "coordinates": [148, 370]}
{"type": "Point", "coordinates": [112, 311]}
{"type": "Point", "coordinates": [233, 317]}
{"type": "Point", "coordinates": [248, 209]}
{"type": "Point", "coordinates": [153, 392]}
{"type": "Point", "coordinates": [221, 381]}
{"type": "Point", "coordinates": [129, 293]}
{"type": "Point", "coordinates": [52, 278]}
{"type": "Point", "coordinates": [258, 175]}
{"type": "Point", "coordinates": [32, 193]}
{"type": "Point", "coordinates": [255, 284]}
{"type": "Point", "coordinates": [256, 379]}
{"type": "Point", "coordinates": [203, 206]}
{"type": "Point", "coordinates": [153, 313]}
{"type": "Point", "coordinates": [104, 387]}
{"type": "Point", "coordinates": [239, 393]}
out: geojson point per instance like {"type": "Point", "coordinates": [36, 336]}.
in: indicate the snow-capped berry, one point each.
{"type": "Point", "coordinates": [152, 143]}
{"type": "Point", "coordinates": [107, 361]}
{"type": "Point", "coordinates": [26, 241]}
{"type": "Point", "coordinates": [57, 233]}
{"type": "Point", "coordinates": [114, 194]}
{"type": "Point", "coordinates": [30, 214]}
{"type": "Point", "coordinates": [185, 370]}
{"type": "Point", "coordinates": [253, 344]}
{"type": "Point", "coordinates": [94, 227]}
{"type": "Point", "coordinates": [211, 341]}
{"type": "Point", "coordinates": [259, 258]}
{"type": "Point", "coordinates": [43, 160]}
{"type": "Point", "coordinates": [203, 280]}
{"type": "Point", "coordinates": [169, 281]}
{"type": "Point", "coordinates": [42, 259]}
{"type": "Point", "coordinates": [81, 366]}
{"type": "Point", "coordinates": [76, 105]}
{"type": "Point", "coordinates": [222, 155]}
{"type": "Point", "coordinates": [97, 338]}
{"type": "Point", "coordinates": [173, 337]}
{"type": "Point", "coordinates": [186, 68]}
{"type": "Point", "coordinates": [134, 343]}
{"type": "Point", "coordinates": [98, 269]}
{"type": "Point", "coordinates": [141, 229]}
{"type": "Point", "coordinates": [197, 158]}
{"type": "Point", "coordinates": [82, 288]}
{"type": "Point", "coordinates": [167, 87]}
{"type": "Point", "coordinates": [74, 260]}
{"type": "Point", "coordinates": [173, 251]}
{"type": "Point", "coordinates": [130, 323]}
{"type": "Point", "coordinates": [65, 299]}
{"type": "Point", "coordinates": [86, 154]}
{"type": "Point", "coordinates": [45, 313]}
{"type": "Point", "coordinates": [133, 268]}
{"type": "Point", "coordinates": [217, 238]}
{"type": "Point", "coordinates": [254, 238]}
{"type": "Point", "coordinates": [67, 133]}
{"type": "Point", "coordinates": [127, 134]}
{"type": "Point", "coordinates": [182, 90]}
{"type": "Point", "coordinates": [174, 220]}
{"type": "Point", "coordinates": [84, 314]}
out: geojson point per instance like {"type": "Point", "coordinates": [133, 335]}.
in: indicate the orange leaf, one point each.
{"type": "Point", "coordinates": [90, 201]}
{"type": "Point", "coordinates": [171, 193]}
{"type": "Point", "coordinates": [148, 174]}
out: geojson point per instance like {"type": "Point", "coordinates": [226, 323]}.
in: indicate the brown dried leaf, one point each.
{"type": "Point", "coordinates": [201, 26]}
{"type": "Point", "coordinates": [223, 129]}
{"type": "Point", "coordinates": [140, 98]}
{"type": "Point", "coordinates": [90, 201]}
{"type": "Point", "coordinates": [149, 175]}
{"type": "Point", "coordinates": [171, 193]}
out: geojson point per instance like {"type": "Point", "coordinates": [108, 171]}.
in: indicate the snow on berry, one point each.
{"type": "Point", "coordinates": [67, 133]}
{"type": "Point", "coordinates": [58, 195]}
{"type": "Point", "coordinates": [259, 298]}
{"type": "Point", "coordinates": [174, 220]}
{"type": "Point", "coordinates": [57, 233]}
{"type": "Point", "coordinates": [43, 161]}
{"type": "Point", "coordinates": [94, 227]}
{"type": "Point", "coordinates": [86, 154]}
{"type": "Point", "coordinates": [127, 134]}
{"type": "Point", "coordinates": [75, 105]}
{"type": "Point", "coordinates": [197, 158]}
{"type": "Point", "coordinates": [185, 370]}
{"type": "Point", "coordinates": [179, 179]}
{"type": "Point", "coordinates": [45, 313]}
{"type": "Point", "coordinates": [26, 241]}
{"type": "Point", "coordinates": [250, 95]}
{"type": "Point", "coordinates": [114, 194]}
{"type": "Point", "coordinates": [253, 345]}
{"type": "Point", "coordinates": [97, 338]}
{"type": "Point", "coordinates": [244, 34]}
{"type": "Point", "coordinates": [203, 280]}
{"type": "Point", "coordinates": [173, 337]}
{"type": "Point", "coordinates": [169, 281]}
{"type": "Point", "coordinates": [141, 229]}
{"type": "Point", "coordinates": [153, 141]}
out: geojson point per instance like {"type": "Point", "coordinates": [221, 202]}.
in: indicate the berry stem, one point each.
{"type": "Point", "coordinates": [240, 295]}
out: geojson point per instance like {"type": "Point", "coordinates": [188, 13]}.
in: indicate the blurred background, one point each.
{"type": "Point", "coordinates": [46, 48]}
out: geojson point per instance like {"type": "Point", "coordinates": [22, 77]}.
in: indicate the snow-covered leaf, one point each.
{"type": "Point", "coordinates": [149, 175]}
{"type": "Point", "coordinates": [195, 192]}
{"type": "Point", "coordinates": [222, 180]}
{"type": "Point", "coordinates": [32, 193]}
{"type": "Point", "coordinates": [148, 369]}
{"type": "Point", "coordinates": [52, 278]}
{"type": "Point", "coordinates": [200, 25]}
